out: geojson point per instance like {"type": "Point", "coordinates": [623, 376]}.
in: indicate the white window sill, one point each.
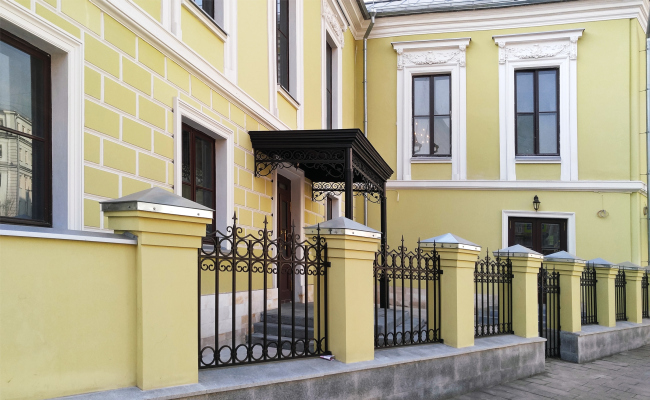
{"type": "Point", "coordinates": [64, 234]}
{"type": "Point", "coordinates": [288, 97]}
{"type": "Point", "coordinates": [207, 20]}
{"type": "Point", "coordinates": [430, 160]}
{"type": "Point", "coordinates": [538, 160]}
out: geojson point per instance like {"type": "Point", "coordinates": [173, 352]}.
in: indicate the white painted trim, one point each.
{"type": "Point", "coordinates": [568, 186]}
{"type": "Point", "coordinates": [300, 62]}
{"type": "Point", "coordinates": [67, 109]}
{"type": "Point", "coordinates": [273, 63]}
{"type": "Point", "coordinates": [175, 17]}
{"type": "Point", "coordinates": [150, 30]}
{"type": "Point", "coordinates": [230, 51]}
{"type": "Point", "coordinates": [70, 235]}
{"type": "Point", "coordinates": [570, 12]}
{"type": "Point", "coordinates": [327, 35]}
{"type": "Point", "coordinates": [432, 57]}
{"type": "Point", "coordinates": [539, 50]}
{"type": "Point", "coordinates": [334, 21]}
{"type": "Point", "coordinates": [224, 158]}
{"type": "Point", "coordinates": [207, 21]}
{"type": "Point", "coordinates": [569, 216]}
{"type": "Point", "coordinates": [287, 96]}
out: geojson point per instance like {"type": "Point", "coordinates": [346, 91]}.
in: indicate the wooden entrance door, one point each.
{"type": "Point", "coordinates": [546, 236]}
{"type": "Point", "coordinates": [285, 277]}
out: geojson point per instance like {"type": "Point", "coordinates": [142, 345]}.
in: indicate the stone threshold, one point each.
{"type": "Point", "coordinates": [215, 381]}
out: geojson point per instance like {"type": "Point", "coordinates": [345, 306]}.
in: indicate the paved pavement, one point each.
{"type": "Point", "coordinates": [622, 376]}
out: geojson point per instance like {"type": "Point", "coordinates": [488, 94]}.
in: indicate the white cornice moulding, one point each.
{"type": "Point", "coordinates": [562, 186]}
{"type": "Point", "coordinates": [431, 52]}
{"type": "Point", "coordinates": [152, 31]}
{"type": "Point", "coordinates": [499, 18]}
{"type": "Point", "coordinates": [335, 21]}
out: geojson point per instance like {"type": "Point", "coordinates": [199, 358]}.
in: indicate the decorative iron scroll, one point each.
{"type": "Point", "coordinates": [320, 190]}
{"type": "Point", "coordinates": [492, 296]}
{"type": "Point", "coordinates": [407, 296]}
{"type": "Point", "coordinates": [588, 304]}
{"type": "Point", "coordinates": [620, 294]}
{"type": "Point", "coordinates": [548, 311]}
{"type": "Point", "coordinates": [331, 162]}
{"type": "Point", "coordinates": [253, 325]}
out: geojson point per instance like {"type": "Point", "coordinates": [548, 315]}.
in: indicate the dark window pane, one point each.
{"type": "Point", "coordinates": [186, 157]}
{"type": "Point", "coordinates": [204, 197]}
{"type": "Point", "coordinates": [282, 23]}
{"type": "Point", "coordinates": [524, 234]}
{"type": "Point", "coordinates": [548, 133]}
{"type": "Point", "coordinates": [547, 82]}
{"type": "Point", "coordinates": [441, 95]}
{"type": "Point", "coordinates": [207, 6]}
{"type": "Point", "coordinates": [441, 136]}
{"type": "Point", "coordinates": [203, 156]}
{"type": "Point", "coordinates": [187, 191]}
{"type": "Point", "coordinates": [16, 86]}
{"type": "Point", "coordinates": [525, 135]}
{"type": "Point", "coordinates": [421, 136]}
{"type": "Point", "coordinates": [525, 92]}
{"type": "Point", "coordinates": [421, 96]}
{"type": "Point", "coordinates": [329, 84]}
{"type": "Point", "coordinates": [550, 238]}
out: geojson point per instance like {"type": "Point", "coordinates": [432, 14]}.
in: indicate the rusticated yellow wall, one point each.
{"type": "Point", "coordinates": [67, 317]}
{"type": "Point", "coordinates": [201, 39]}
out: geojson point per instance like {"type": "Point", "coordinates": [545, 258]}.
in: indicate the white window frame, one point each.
{"type": "Point", "coordinates": [555, 49]}
{"type": "Point", "coordinates": [332, 32]}
{"type": "Point", "coordinates": [427, 57]}
{"type": "Point", "coordinates": [569, 216]}
{"type": "Point", "coordinates": [67, 110]}
{"type": "Point", "coordinates": [224, 158]}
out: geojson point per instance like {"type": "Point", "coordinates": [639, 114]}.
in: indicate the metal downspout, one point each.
{"type": "Point", "coordinates": [647, 136]}
{"type": "Point", "coordinates": [365, 99]}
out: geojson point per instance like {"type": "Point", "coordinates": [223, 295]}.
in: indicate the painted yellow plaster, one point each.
{"type": "Point", "coordinates": [202, 40]}
{"type": "Point", "coordinates": [164, 92]}
{"type": "Point", "coordinates": [152, 113]}
{"type": "Point", "coordinates": [287, 112]}
{"type": "Point", "coordinates": [101, 119]}
{"type": "Point", "coordinates": [91, 148]}
{"type": "Point", "coordinates": [151, 167]}
{"type": "Point", "coordinates": [163, 145]}
{"type": "Point", "coordinates": [151, 57]}
{"type": "Point", "coordinates": [101, 55]}
{"type": "Point", "coordinates": [55, 19]}
{"type": "Point", "coordinates": [538, 172]}
{"type": "Point", "coordinates": [130, 186]}
{"type": "Point", "coordinates": [152, 7]}
{"type": "Point", "coordinates": [525, 295]}
{"type": "Point", "coordinates": [136, 133]}
{"type": "Point", "coordinates": [570, 273]}
{"type": "Point", "coordinates": [92, 217]}
{"type": "Point", "coordinates": [605, 296]}
{"type": "Point", "coordinates": [252, 49]}
{"type": "Point", "coordinates": [92, 83]}
{"type": "Point", "coordinates": [136, 76]}
{"type": "Point", "coordinates": [633, 295]}
{"type": "Point", "coordinates": [178, 75]}
{"type": "Point", "coordinates": [119, 157]}
{"type": "Point", "coordinates": [437, 171]}
{"type": "Point", "coordinates": [220, 104]}
{"type": "Point", "coordinates": [119, 96]}
{"type": "Point", "coordinates": [101, 183]}
{"type": "Point", "coordinates": [119, 35]}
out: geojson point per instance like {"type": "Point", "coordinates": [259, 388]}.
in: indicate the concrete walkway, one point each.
{"type": "Point", "coordinates": [621, 376]}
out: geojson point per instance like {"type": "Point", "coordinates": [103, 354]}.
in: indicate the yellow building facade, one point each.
{"type": "Point", "coordinates": [130, 81]}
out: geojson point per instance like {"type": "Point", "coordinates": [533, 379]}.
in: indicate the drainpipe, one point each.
{"type": "Point", "coordinates": [365, 99]}
{"type": "Point", "coordinates": [647, 119]}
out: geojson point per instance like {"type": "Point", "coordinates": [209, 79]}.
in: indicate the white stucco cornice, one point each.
{"type": "Point", "coordinates": [499, 18]}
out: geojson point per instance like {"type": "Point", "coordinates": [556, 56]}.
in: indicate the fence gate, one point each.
{"type": "Point", "coordinates": [548, 289]}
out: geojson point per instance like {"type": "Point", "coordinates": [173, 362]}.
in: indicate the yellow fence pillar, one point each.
{"type": "Point", "coordinates": [169, 229]}
{"type": "Point", "coordinates": [570, 268]}
{"type": "Point", "coordinates": [457, 260]}
{"type": "Point", "coordinates": [525, 267]}
{"type": "Point", "coordinates": [351, 249]}
{"type": "Point", "coordinates": [633, 294]}
{"type": "Point", "coordinates": [605, 290]}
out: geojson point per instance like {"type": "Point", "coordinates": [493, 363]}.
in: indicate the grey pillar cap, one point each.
{"type": "Point", "coordinates": [629, 265]}
{"type": "Point", "coordinates": [158, 200]}
{"type": "Point", "coordinates": [343, 226]}
{"type": "Point", "coordinates": [601, 263]}
{"type": "Point", "coordinates": [450, 241]}
{"type": "Point", "coordinates": [518, 251]}
{"type": "Point", "coordinates": [563, 256]}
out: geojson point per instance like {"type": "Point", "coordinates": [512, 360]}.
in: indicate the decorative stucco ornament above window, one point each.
{"type": "Point", "coordinates": [335, 21]}
{"type": "Point", "coordinates": [431, 57]}
{"type": "Point", "coordinates": [539, 50]}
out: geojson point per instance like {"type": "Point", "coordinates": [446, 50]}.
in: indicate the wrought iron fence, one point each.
{"type": "Point", "coordinates": [644, 295]}
{"type": "Point", "coordinates": [620, 294]}
{"type": "Point", "coordinates": [588, 310]}
{"type": "Point", "coordinates": [492, 296]}
{"type": "Point", "coordinates": [241, 316]}
{"type": "Point", "coordinates": [407, 296]}
{"type": "Point", "coordinates": [548, 314]}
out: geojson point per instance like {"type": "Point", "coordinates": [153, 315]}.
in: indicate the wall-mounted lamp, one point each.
{"type": "Point", "coordinates": [536, 203]}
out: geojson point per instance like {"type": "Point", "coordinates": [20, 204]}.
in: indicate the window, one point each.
{"type": "Point", "coordinates": [537, 112]}
{"type": "Point", "coordinates": [329, 86]}
{"type": "Point", "coordinates": [199, 168]}
{"type": "Point", "coordinates": [432, 116]}
{"type": "Point", "coordinates": [214, 9]}
{"type": "Point", "coordinates": [546, 236]}
{"type": "Point", "coordinates": [329, 208]}
{"type": "Point", "coordinates": [282, 22]}
{"type": "Point", "coordinates": [25, 106]}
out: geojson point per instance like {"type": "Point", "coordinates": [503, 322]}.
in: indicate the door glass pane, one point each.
{"type": "Point", "coordinates": [421, 96]}
{"type": "Point", "coordinates": [525, 134]}
{"type": "Point", "coordinates": [203, 156]}
{"type": "Point", "coordinates": [525, 92]}
{"type": "Point", "coordinates": [524, 234]}
{"type": "Point", "coordinates": [548, 133]}
{"type": "Point", "coordinates": [204, 197]}
{"type": "Point", "coordinates": [441, 95]}
{"type": "Point", "coordinates": [550, 238]}
{"type": "Point", "coordinates": [441, 136]}
{"type": "Point", "coordinates": [187, 191]}
{"type": "Point", "coordinates": [284, 212]}
{"type": "Point", "coordinates": [187, 177]}
{"type": "Point", "coordinates": [547, 91]}
{"type": "Point", "coordinates": [421, 136]}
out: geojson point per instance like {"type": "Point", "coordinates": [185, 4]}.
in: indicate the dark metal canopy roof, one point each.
{"type": "Point", "coordinates": [324, 155]}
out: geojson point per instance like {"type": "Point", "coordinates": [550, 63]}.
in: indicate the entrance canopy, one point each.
{"type": "Point", "coordinates": [336, 161]}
